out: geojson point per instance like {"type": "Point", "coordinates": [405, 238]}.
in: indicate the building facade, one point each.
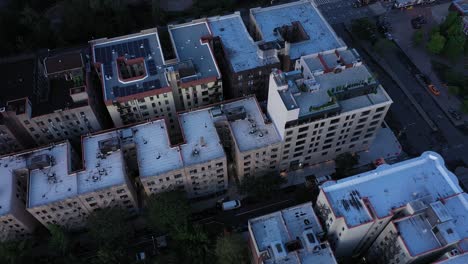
{"type": "Point", "coordinates": [292, 235]}
{"type": "Point", "coordinates": [361, 211]}
{"type": "Point", "coordinates": [321, 111]}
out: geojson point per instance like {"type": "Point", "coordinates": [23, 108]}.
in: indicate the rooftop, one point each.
{"type": "Point", "coordinates": [462, 5]}
{"type": "Point", "coordinates": [190, 44]}
{"type": "Point", "coordinates": [154, 152]}
{"type": "Point", "coordinates": [322, 93]}
{"type": "Point", "coordinates": [49, 175]}
{"type": "Point", "coordinates": [391, 186]}
{"type": "Point", "coordinates": [202, 142]}
{"type": "Point", "coordinates": [240, 49]}
{"type": "Point", "coordinates": [458, 259]}
{"type": "Point", "coordinates": [457, 206]}
{"type": "Point", "coordinates": [104, 163]}
{"type": "Point", "coordinates": [251, 132]}
{"type": "Point", "coordinates": [417, 234]}
{"type": "Point", "coordinates": [63, 62]}
{"type": "Point", "coordinates": [130, 64]}
{"type": "Point", "coordinates": [290, 236]}
{"type": "Point", "coordinates": [320, 36]}
{"type": "Point", "coordinates": [23, 78]}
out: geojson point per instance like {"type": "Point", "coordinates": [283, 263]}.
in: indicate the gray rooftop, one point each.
{"type": "Point", "coordinates": [190, 45]}
{"type": "Point", "coordinates": [102, 170]}
{"type": "Point", "coordinates": [391, 186]}
{"type": "Point", "coordinates": [202, 143]}
{"type": "Point", "coordinates": [143, 45]}
{"type": "Point", "coordinates": [272, 232]}
{"type": "Point", "coordinates": [155, 154]}
{"type": "Point", "coordinates": [318, 94]}
{"type": "Point", "coordinates": [240, 49]}
{"type": "Point", "coordinates": [251, 132]}
{"type": "Point", "coordinates": [321, 35]}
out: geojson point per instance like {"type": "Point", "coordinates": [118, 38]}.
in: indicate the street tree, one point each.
{"type": "Point", "coordinates": [193, 244]}
{"type": "Point", "coordinates": [364, 28]}
{"type": "Point", "coordinates": [418, 37]}
{"type": "Point", "coordinates": [231, 249]}
{"type": "Point", "coordinates": [436, 43]}
{"type": "Point", "coordinates": [110, 229]}
{"type": "Point", "coordinates": [261, 187]}
{"type": "Point", "coordinates": [16, 252]}
{"type": "Point", "coordinates": [168, 211]}
{"type": "Point", "coordinates": [344, 163]}
{"type": "Point", "coordinates": [59, 242]}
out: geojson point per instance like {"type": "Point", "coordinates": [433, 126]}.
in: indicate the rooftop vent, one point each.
{"type": "Point", "coordinates": [310, 240]}
{"type": "Point", "coordinates": [40, 162]}
{"type": "Point", "coordinates": [110, 145]}
{"type": "Point", "coordinates": [195, 152]}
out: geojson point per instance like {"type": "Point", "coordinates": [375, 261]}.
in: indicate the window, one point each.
{"type": "Point", "coordinates": [26, 122]}
{"type": "Point", "coordinates": [302, 129]}
{"type": "Point", "coordinates": [365, 113]}
{"type": "Point", "coordinates": [380, 109]}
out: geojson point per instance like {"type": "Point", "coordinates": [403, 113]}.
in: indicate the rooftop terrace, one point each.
{"type": "Point", "coordinates": [130, 64]}
{"type": "Point", "coordinates": [190, 44]}
{"type": "Point", "coordinates": [391, 186]}
{"type": "Point", "coordinates": [239, 47]}
{"type": "Point", "coordinates": [290, 236]}
{"type": "Point", "coordinates": [320, 36]}
{"type": "Point", "coordinates": [346, 90]}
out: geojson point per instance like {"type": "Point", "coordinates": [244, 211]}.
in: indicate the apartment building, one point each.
{"type": "Point", "coordinates": [8, 141]}
{"type": "Point", "coordinates": [430, 230]}
{"type": "Point", "coordinates": [357, 209]}
{"type": "Point", "coordinates": [453, 257]}
{"type": "Point", "coordinates": [194, 75]}
{"type": "Point", "coordinates": [245, 63]}
{"type": "Point", "coordinates": [132, 73]}
{"type": "Point", "coordinates": [49, 99]}
{"type": "Point", "coordinates": [294, 29]}
{"type": "Point", "coordinates": [60, 194]}
{"type": "Point", "coordinates": [321, 113]}
{"type": "Point", "coordinates": [15, 221]}
{"type": "Point", "coordinates": [292, 235]}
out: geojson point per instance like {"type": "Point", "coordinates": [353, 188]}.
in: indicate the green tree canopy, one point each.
{"type": "Point", "coordinates": [344, 163]}
{"type": "Point", "coordinates": [110, 229]}
{"type": "Point", "coordinates": [418, 37]}
{"type": "Point", "coordinates": [59, 242]}
{"type": "Point", "coordinates": [193, 244]}
{"type": "Point", "coordinates": [436, 43]}
{"type": "Point", "coordinates": [231, 249]}
{"type": "Point", "coordinates": [261, 187]}
{"type": "Point", "coordinates": [168, 211]}
{"type": "Point", "coordinates": [16, 252]}
{"type": "Point", "coordinates": [364, 28]}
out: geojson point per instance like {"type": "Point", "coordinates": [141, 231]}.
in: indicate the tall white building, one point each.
{"type": "Point", "coordinates": [357, 209]}
{"type": "Point", "coordinates": [290, 236]}
{"type": "Point", "coordinates": [331, 104]}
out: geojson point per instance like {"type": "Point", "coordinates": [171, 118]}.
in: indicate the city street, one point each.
{"type": "Point", "coordinates": [414, 133]}
{"type": "Point", "coordinates": [339, 11]}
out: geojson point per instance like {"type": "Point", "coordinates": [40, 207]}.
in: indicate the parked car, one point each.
{"type": "Point", "coordinates": [230, 205]}
{"type": "Point", "coordinates": [433, 89]}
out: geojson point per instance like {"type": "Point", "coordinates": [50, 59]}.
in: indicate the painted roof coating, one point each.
{"type": "Point", "coordinates": [285, 226]}
{"type": "Point", "coordinates": [239, 47]}
{"type": "Point", "coordinates": [391, 186]}
{"type": "Point", "coordinates": [189, 45]}
{"type": "Point", "coordinates": [143, 45]}
{"type": "Point", "coordinates": [321, 35]}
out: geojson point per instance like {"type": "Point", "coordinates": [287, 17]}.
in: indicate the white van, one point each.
{"type": "Point", "coordinates": [230, 205]}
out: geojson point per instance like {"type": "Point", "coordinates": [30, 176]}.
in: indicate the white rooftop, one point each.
{"type": "Point", "coordinates": [391, 186]}
{"type": "Point", "coordinates": [202, 142]}
{"type": "Point", "coordinates": [277, 233]}
{"type": "Point", "coordinates": [417, 235]}
{"type": "Point", "coordinates": [239, 47]}
{"type": "Point", "coordinates": [459, 259]}
{"type": "Point", "coordinates": [321, 36]}
{"type": "Point", "coordinates": [51, 183]}
{"type": "Point", "coordinates": [154, 152]}
{"type": "Point", "coordinates": [457, 206]}
{"type": "Point", "coordinates": [101, 170]}
{"type": "Point", "coordinates": [252, 132]}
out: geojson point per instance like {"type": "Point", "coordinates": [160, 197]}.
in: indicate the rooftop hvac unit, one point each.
{"type": "Point", "coordinates": [110, 145]}
{"type": "Point", "coordinates": [40, 162]}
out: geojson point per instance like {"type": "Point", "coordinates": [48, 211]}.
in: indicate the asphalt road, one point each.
{"type": "Point", "coordinates": [415, 135]}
